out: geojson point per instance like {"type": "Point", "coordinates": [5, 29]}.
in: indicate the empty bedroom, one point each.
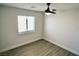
{"type": "Point", "coordinates": [39, 29]}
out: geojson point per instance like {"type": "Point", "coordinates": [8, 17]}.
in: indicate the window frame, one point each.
{"type": "Point", "coordinates": [31, 31]}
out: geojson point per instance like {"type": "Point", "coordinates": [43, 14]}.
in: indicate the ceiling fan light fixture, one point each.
{"type": "Point", "coordinates": [47, 13]}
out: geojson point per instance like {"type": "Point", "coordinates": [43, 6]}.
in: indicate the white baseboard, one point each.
{"type": "Point", "coordinates": [62, 46]}
{"type": "Point", "coordinates": [15, 46]}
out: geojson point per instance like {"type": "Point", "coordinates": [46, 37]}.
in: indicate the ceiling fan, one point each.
{"type": "Point", "coordinates": [47, 11]}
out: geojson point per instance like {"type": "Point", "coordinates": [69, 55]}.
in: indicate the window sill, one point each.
{"type": "Point", "coordinates": [26, 32]}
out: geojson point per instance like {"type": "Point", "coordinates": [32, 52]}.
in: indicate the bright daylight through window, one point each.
{"type": "Point", "coordinates": [26, 24]}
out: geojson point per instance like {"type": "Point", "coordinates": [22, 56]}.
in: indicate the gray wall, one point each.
{"type": "Point", "coordinates": [9, 37]}
{"type": "Point", "coordinates": [63, 29]}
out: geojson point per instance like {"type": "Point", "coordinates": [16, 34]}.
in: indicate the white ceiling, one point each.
{"type": "Point", "coordinates": [43, 6]}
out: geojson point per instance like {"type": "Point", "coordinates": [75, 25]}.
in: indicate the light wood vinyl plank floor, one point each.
{"type": "Point", "coordinates": [38, 48]}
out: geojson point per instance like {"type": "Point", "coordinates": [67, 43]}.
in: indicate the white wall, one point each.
{"type": "Point", "coordinates": [63, 29]}
{"type": "Point", "coordinates": [9, 37]}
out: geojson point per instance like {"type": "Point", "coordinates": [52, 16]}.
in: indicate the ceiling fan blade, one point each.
{"type": "Point", "coordinates": [53, 9]}
{"type": "Point", "coordinates": [52, 12]}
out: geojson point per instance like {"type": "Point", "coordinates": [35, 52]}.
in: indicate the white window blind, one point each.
{"type": "Point", "coordinates": [26, 23]}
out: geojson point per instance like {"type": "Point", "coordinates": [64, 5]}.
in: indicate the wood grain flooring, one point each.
{"type": "Point", "coordinates": [38, 48]}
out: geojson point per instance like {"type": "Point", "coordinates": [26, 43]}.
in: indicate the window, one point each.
{"type": "Point", "coordinates": [26, 23]}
